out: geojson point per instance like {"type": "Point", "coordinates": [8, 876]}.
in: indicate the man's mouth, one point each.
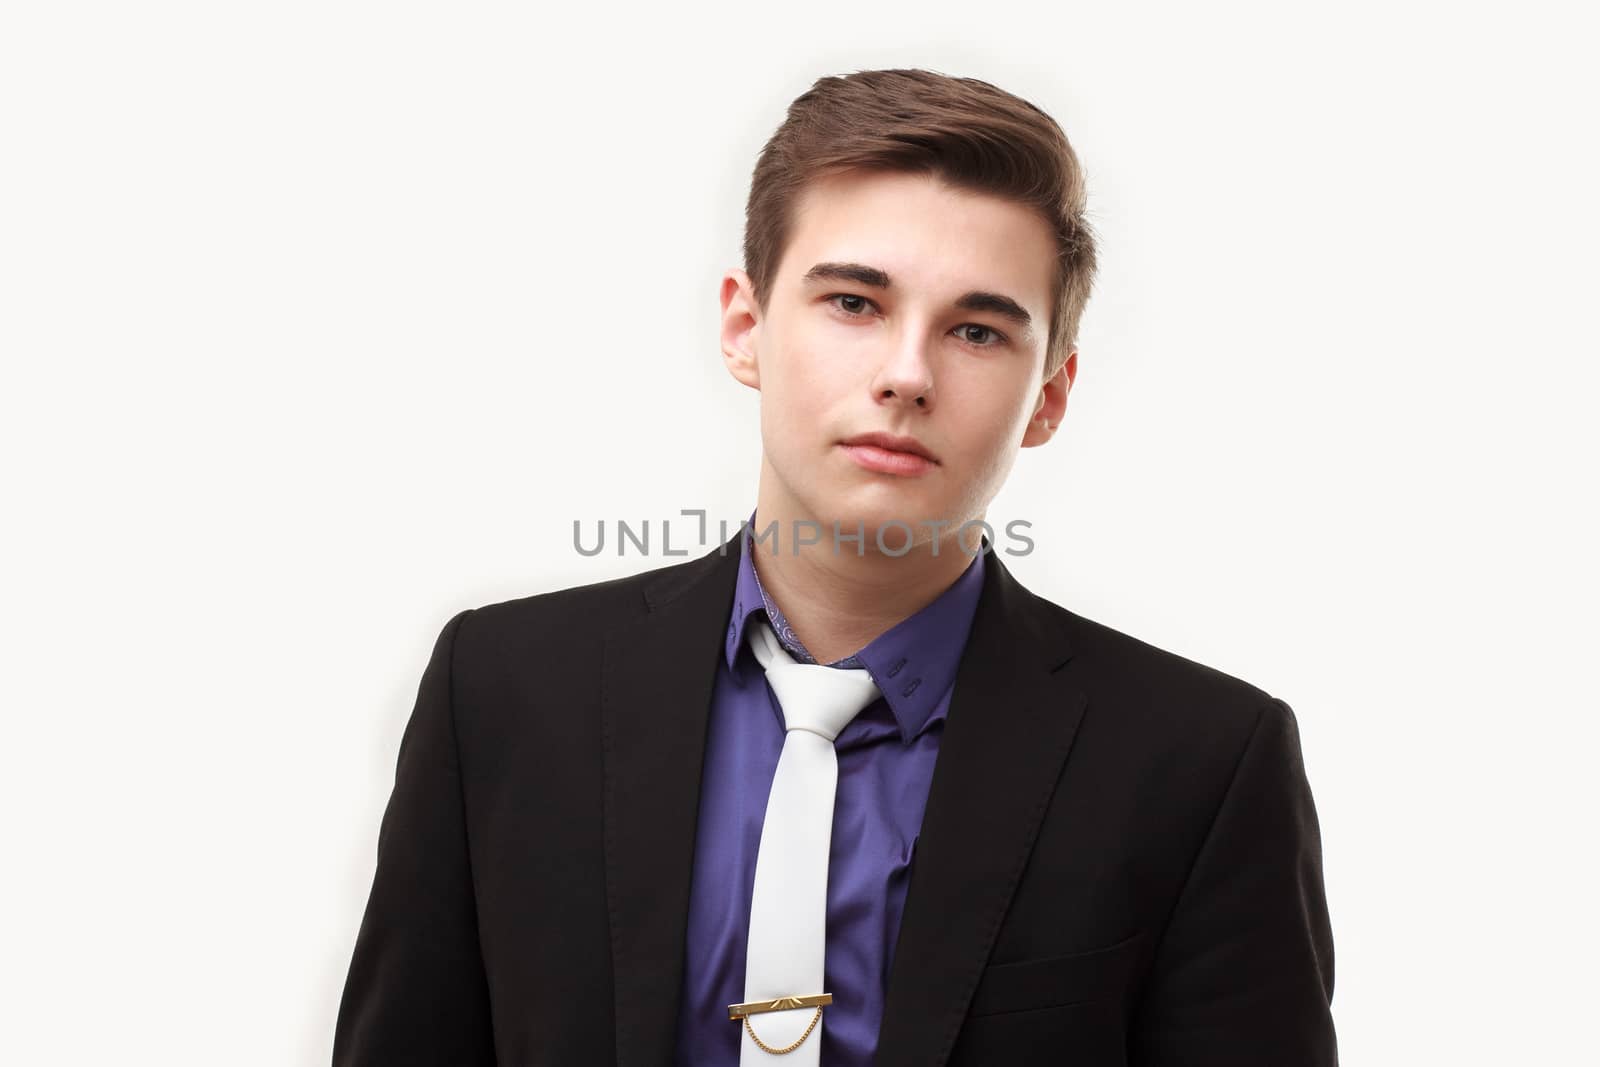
{"type": "Point", "coordinates": [888, 453]}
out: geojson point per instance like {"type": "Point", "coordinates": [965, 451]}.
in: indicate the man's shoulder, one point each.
{"type": "Point", "coordinates": [586, 608]}
{"type": "Point", "coordinates": [1150, 684]}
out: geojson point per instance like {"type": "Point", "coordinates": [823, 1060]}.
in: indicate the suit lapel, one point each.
{"type": "Point", "coordinates": [1012, 719]}
{"type": "Point", "coordinates": [656, 680]}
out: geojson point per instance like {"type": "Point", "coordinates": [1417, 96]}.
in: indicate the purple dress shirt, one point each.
{"type": "Point", "coordinates": [886, 758]}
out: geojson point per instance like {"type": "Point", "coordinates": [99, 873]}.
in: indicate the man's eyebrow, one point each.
{"type": "Point", "coordinates": [974, 301]}
{"type": "Point", "coordinates": [1000, 305]}
{"type": "Point", "coordinates": [849, 272]}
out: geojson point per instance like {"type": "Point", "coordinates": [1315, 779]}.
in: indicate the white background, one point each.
{"type": "Point", "coordinates": [321, 322]}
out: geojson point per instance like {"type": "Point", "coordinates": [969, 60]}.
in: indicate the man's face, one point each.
{"type": "Point", "coordinates": [902, 306]}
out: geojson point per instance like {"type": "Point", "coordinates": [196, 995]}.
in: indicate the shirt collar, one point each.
{"type": "Point", "coordinates": [913, 663]}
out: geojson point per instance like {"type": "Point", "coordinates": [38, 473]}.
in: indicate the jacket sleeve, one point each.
{"type": "Point", "coordinates": [416, 991]}
{"type": "Point", "coordinates": [1243, 974]}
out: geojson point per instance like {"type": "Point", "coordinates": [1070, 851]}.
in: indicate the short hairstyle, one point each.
{"type": "Point", "coordinates": [964, 131]}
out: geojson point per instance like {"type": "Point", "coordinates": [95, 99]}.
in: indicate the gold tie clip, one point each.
{"type": "Point", "coordinates": [756, 1007]}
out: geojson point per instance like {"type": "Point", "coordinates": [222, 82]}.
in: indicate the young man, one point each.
{"type": "Point", "coordinates": [849, 793]}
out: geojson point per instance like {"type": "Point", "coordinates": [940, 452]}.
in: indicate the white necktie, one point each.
{"type": "Point", "coordinates": [789, 907]}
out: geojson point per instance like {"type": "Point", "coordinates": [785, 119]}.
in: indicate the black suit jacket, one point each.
{"type": "Point", "coordinates": [1119, 861]}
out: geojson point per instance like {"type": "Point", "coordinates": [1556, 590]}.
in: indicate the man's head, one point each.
{"type": "Point", "coordinates": [916, 264]}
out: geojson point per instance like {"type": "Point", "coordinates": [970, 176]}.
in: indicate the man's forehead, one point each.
{"type": "Point", "coordinates": [917, 232]}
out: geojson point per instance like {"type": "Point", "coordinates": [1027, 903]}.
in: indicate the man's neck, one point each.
{"type": "Point", "coordinates": [837, 602]}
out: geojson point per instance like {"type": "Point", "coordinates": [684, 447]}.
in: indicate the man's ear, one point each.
{"type": "Point", "coordinates": [741, 325]}
{"type": "Point", "coordinates": [1051, 406]}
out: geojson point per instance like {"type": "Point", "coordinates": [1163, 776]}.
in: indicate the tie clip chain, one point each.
{"type": "Point", "coordinates": [757, 1007]}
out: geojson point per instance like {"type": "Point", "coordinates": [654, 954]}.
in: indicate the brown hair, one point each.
{"type": "Point", "coordinates": [964, 131]}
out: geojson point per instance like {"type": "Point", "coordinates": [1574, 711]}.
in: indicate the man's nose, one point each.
{"type": "Point", "coordinates": [906, 377]}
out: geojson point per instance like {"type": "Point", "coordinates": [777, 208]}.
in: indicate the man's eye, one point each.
{"type": "Point", "coordinates": [976, 334]}
{"type": "Point", "coordinates": [982, 332]}
{"type": "Point", "coordinates": [850, 303]}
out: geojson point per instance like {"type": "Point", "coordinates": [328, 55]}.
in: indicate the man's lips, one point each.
{"type": "Point", "coordinates": [889, 442]}
{"type": "Point", "coordinates": [888, 454]}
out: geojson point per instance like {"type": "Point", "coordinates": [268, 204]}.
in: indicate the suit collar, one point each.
{"type": "Point", "coordinates": [1012, 718]}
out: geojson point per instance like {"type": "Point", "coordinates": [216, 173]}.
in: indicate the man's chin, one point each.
{"type": "Point", "coordinates": [887, 521]}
